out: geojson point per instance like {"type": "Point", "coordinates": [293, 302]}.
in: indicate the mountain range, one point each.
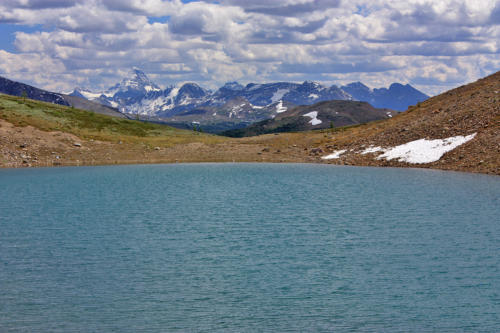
{"type": "Point", "coordinates": [140, 96]}
{"type": "Point", "coordinates": [232, 106]}
{"type": "Point", "coordinates": [15, 88]}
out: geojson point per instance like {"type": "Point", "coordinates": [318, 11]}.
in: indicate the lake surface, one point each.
{"type": "Point", "coordinates": [248, 248]}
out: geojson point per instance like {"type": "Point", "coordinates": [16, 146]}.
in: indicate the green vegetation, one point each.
{"type": "Point", "coordinates": [89, 125]}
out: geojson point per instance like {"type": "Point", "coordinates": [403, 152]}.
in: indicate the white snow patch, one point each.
{"type": "Point", "coordinates": [389, 114]}
{"type": "Point", "coordinates": [336, 154]}
{"type": "Point", "coordinates": [278, 94]}
{"type": "Point", "coordinates": [280, 108]}
{"type": "Point", "coordinates": [313, 96]}
{"type": "Point", "coordinates": [214, 114]}
{"type": "Point", "coordinates": [149, 88]}
{"type": "Point", "coordinates": [151, 106]}
{"type": "Point", "coordinates": [257, 86]}
{"type": "Point", "coordinates": [313, 115]}
{"type": "Point", "coordinates": [173, 93]}
{"type": "Point", "coordinates": [90, 95]}
{"type": "Point", "coordinates": [186, 100]}
{"type": "Point", "coordinates": [371, 149]}
{"type": "Point", "coordinates": [113, 104]}
{"type": "Point", "coordinates": [110, 93]}
{"type": "Point", "coordinates": [424, 151]}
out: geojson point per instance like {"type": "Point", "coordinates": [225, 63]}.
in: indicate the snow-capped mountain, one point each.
{"type": "Point", "coordinates": [269, 93]}
{"type": "Point", "coordinates": [128, 92]}
{"type": "Point", "coordinates": [139, 95]}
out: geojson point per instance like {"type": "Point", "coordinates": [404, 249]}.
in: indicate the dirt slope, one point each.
{"type": "Point", "coordinates": [473, 108]}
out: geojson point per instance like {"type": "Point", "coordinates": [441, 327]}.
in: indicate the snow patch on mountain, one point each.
{"type": "Point", "coordinates": [278, 94]}
{"type": "Point", "coordinates": [371, 149]}
{"type": "Point", "coordinates": [423, 150]}
{"type": "Point", "coordinates": [336, 154]}
{"type": "Point", "coordinates": [88, 94]}
{"type": "Point", "coordinates": [255, 86]}
{"type": "Point", "coordinates": [314, 118]}
{"type": "Point", "coordinates": [149, 88]}
{"type": "Point", "coordinates": [280, 108]}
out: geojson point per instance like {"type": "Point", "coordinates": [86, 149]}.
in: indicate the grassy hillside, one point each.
{"type": "Point", "coordinates": [88, 125]}
{"type": "Point", "coordinates": [34, 133]}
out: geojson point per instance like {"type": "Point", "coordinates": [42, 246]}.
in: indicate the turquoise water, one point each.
{"type": "Point", "coordinates": [248, 248]}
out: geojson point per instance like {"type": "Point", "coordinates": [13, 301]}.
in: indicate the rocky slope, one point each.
{"type": "Point", "coordinates": [457, 130]}
{"type": "Point", "coordinates": [329, 114]}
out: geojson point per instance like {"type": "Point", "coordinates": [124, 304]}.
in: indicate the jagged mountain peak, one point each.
{"type": "Point", "coordinates": [189, 93]}
{"type": "Point", "coordinates": [138, 80]}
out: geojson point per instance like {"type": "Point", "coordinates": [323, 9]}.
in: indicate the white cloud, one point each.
{"type": "Point", "coordinates": [432, 44]}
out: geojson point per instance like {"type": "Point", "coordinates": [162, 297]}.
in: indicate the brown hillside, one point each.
{"type": "Point", "coordinates": [473, 108]}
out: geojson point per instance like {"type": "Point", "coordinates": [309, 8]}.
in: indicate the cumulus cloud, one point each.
{"type": "Point", "coordinates": [435, 44]}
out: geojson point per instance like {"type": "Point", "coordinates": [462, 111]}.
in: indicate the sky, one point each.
{"type": "Point", "coordinates": [434, 45]}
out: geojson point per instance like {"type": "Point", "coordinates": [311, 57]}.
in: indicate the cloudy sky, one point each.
{"type": "Point", "coordinates": [432, 44]}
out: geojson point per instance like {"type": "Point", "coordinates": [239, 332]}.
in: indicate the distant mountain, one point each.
{"type": "Point", "coordinates": [129, 91]}
{"type": "Point", "coordinates": [318, 116]}
{"type": "Point", "coordinates": [397, 97]}
{"type": "Point", "coordinates": [138, 95]}
{"type": "Point", "coordinates": [14, 88]}
{"type": "Point", "coordinates": [235, 113]}
{"type": "Point", "coordinates": [270, 93]}
{"type": "Point", "coordinates": [82, 103]}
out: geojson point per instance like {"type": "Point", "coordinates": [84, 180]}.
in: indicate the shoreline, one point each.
{"type": "Point", "coordinates": [225, 161]}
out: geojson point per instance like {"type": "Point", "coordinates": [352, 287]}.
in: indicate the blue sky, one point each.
{"type": "Point", "coordinates": [434, 45]}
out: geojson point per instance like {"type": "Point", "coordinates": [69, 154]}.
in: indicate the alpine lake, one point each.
{"type": "Point", "coordinates": [248, 248]}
